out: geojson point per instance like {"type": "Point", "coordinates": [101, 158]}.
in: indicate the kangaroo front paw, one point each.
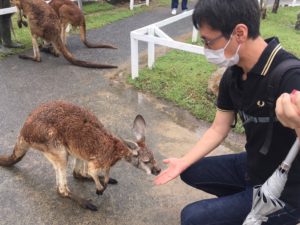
{"type": "Point", "coordinates": [112, 181]}
{"type": "Point", "coordinates": [19, 22]}
{"type": "Point", "coordinates": [100, 192]}
{"type": "Point", "coordinates": [24, 23]}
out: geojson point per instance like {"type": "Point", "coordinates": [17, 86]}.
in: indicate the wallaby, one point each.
{"type": "Point", "coordinates": [69, 13]}
{"type": "Point", "coordinates": [59, 129]}
{"type": "Point", "coordinates": [44, 23]}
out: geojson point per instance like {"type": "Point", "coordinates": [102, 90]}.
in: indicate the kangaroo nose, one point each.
{"type": "Point", "coordinates": [155, 171]}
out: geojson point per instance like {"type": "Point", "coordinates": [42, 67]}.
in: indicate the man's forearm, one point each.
{"type": "Point", "coordinates": [210, 140]}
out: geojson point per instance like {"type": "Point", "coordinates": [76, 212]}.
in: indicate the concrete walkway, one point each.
{"type": "Point", "coordinates": [27, 190]}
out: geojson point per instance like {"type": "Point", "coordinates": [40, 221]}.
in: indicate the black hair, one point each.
{"type": "Point", "coordinates": [224, 15]}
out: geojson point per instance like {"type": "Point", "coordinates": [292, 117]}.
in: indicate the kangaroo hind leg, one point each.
{"type": "Point", "coordinates": [80, 172]}
{"type": "Point", "coordinates": [36, 52]}
{"type": "Point", "coordinates": [20, 150]}
{"type": "Point", "coordinates": [59, 159]}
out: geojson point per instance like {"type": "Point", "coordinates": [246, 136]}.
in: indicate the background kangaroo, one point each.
{"type": "Point", "coordinates": [44, 23]}
{"type": "Point", "coordinates": [69, 13]}
{"type": "Point", "coordinates": [59, 129]}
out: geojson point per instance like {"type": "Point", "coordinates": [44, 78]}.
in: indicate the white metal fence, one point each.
{"type": "Point", "coordinates": [290, 3]}
{"type": "Point", "coordinates": [140, 3]}
{"type": "Point", "coordinates": [153, 35]}
{"type": "Point", "coordinates": [9, 10]}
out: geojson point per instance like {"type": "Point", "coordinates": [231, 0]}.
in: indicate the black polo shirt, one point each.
{"type": "Point", "coordinates": [250, 96]}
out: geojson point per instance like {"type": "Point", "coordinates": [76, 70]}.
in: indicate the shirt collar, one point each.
{"type": "Point", "coordinates": [261, 68]}
{"type": "Point", "coordinates": [264, 62]}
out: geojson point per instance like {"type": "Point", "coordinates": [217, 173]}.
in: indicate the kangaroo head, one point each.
{"type": "Point", "coordinates": [142, 157]}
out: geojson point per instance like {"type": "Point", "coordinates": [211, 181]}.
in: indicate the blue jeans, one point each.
{"type": "Point", "coordinates": [225, 176]}
{"type": "Point", "coordinates": [174, 4]}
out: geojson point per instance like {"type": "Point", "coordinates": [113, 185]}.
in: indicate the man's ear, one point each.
{"type": "Point", "coordinates": [241, 33]}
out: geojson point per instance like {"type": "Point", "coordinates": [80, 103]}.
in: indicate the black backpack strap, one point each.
{"type": "Point", "coordinates": [274, 80]}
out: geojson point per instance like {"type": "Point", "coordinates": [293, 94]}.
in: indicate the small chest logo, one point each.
{"type": "Point", "coordinates": [260, 103]}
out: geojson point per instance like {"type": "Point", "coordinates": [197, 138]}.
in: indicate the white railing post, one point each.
{"type": "Point", "coordinates": [79, 4]}
{"type": "Point", "coordinates": [151, 48]}
{"type": "Point", "coordinates": [195, 35]}
{"type": "Point", "coordinates": [8, 10]}
{"type": "Point", "coordinates": [134, 56]}
{"type": "Point", "coordinates": [131, 3]}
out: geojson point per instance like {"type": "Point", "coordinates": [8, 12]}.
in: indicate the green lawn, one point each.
{"type": "Point", "coordinates": [181, 77]}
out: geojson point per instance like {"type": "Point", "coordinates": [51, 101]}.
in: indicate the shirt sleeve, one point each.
{"type": "Point", "coordinates": [224, 101]}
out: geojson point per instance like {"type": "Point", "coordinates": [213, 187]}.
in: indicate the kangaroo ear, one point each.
{"type": "Point", "coordinates": [132, 146]}
{"type": "Point", "coordinates": [139, 127]}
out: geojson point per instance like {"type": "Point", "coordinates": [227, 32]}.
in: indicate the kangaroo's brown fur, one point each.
{"type": "Point", "coordinates": [44, 23]}
{"type": "Point", "coordinates": [214, 81]}
{"type": "Point", "coordinates": [59, 129]}
{"type": "Point", "coordinates": [69, 13]}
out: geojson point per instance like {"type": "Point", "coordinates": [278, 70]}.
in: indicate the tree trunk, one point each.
{"type": "Point", "coordinates": [275, 6]}
{"type": "Point", "coordinates": [297, 26]}
{"type": "Point", "coordinates": [5, 24]}
{"type": "Point", "coordinates": [263, 9]}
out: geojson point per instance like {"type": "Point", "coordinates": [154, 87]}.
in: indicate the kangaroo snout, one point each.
{"type": "Point", "coordinates": [155, 170]}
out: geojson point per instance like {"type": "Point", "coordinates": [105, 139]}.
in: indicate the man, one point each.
{"type": "Point", "coordinates": [5, 22]}
{"type": "Point", "coordinates": [230, 33]}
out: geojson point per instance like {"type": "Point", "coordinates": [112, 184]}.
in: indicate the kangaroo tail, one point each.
{"type": "Point", "coordinates": [17, 155]}
{"type": "Point", "coordinates": [62, 48]}
{"type": "Point", "coordinates": [88, 44]}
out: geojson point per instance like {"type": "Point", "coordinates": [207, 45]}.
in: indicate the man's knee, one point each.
{"type": "Point", "coordinates": [187, 216]}
{"type": "Point", "coordinates": [192, 214]}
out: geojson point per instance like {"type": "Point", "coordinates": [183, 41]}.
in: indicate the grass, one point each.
{"type": "Point", "coordinates": [282, 26]}
{"type": "Point", "coordinates": [97, 14]}
{"type": "Point", "coordinates": [182, 77]}
{"type": "Point", "coordinates": [180, 82]}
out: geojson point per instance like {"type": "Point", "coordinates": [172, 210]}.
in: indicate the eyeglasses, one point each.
{"type": "Point", "coordinates": [210, 42]}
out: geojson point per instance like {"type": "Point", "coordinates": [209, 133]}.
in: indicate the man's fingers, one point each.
{"type": "Point", "coordinates": [161, 178]}
{"type": "Point", "coordinates": [289, 111]}
{"type": "Point", "coordinates": [166, 161]}
{"type": "Point", "coordinates": [279, 111]}
{"type": "Point", "coordinates": [296, 100]}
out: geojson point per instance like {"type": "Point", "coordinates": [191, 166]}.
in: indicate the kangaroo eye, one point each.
{"type": "Point", "coordinates": [146, 159]}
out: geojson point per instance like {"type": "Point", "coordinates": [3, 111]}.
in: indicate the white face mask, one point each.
{"type": "Point", "coordinates": [218, 57]}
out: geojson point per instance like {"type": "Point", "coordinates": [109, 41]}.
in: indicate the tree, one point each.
{"type": "Point", "coordinates": [263, 8]}
{"type": "Point", "coordinates": [275, 6]}
{"type": "Point", "coordinates": [297, 26]}
{"type": "Point", "coordinates": [5, 27]}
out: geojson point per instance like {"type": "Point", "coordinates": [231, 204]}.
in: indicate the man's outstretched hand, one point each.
{"type": "Point", "coordinates": [175, 167]}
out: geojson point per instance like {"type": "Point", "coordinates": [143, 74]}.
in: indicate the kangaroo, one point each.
{"type": "Point", "coordinates": [69, 13]}
{"type": "Point", "coordinates": [44, 23]}
{"type": "Point", "coordinates": [59, 129]}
